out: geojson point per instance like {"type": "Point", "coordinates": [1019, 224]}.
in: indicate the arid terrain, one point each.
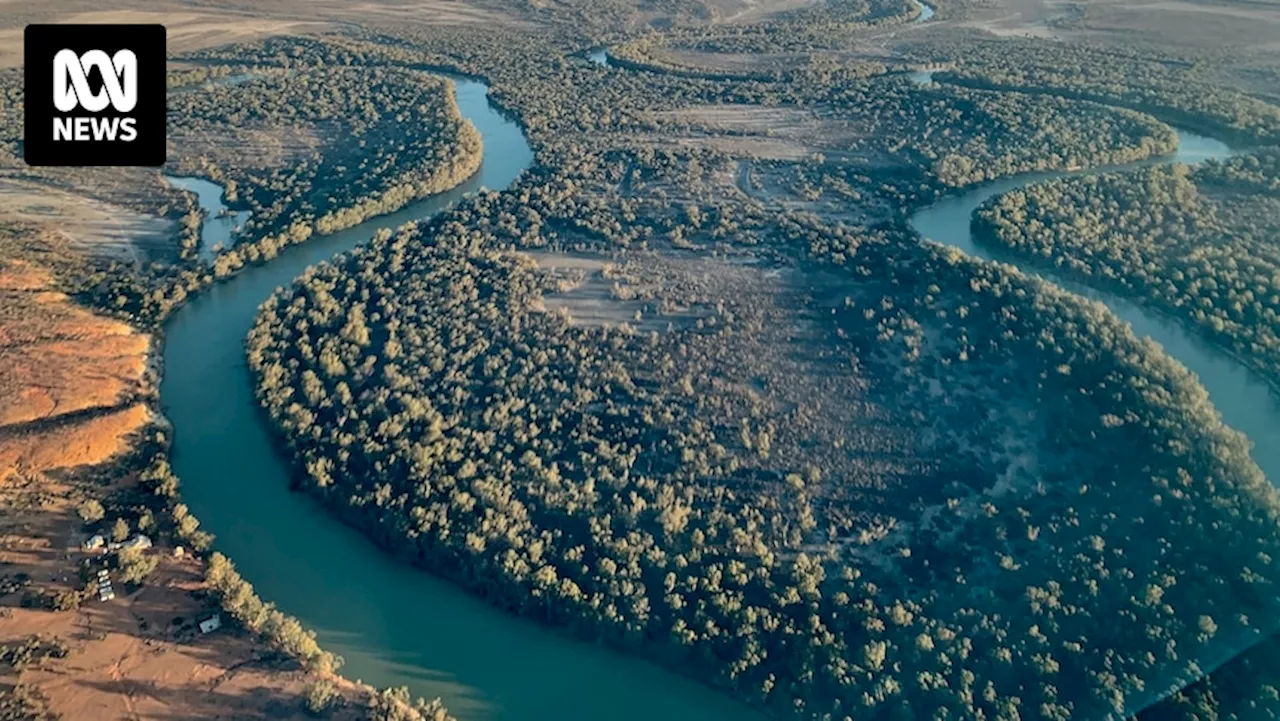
{"type": "Point", "coordinates": [75, 390]}
{"type": "Point", "coordinates": [80, 367]}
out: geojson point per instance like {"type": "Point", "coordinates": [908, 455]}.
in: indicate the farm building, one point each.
{"type": "Point", "coordinates": [211, 624]}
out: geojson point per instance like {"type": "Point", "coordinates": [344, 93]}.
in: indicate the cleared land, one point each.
{"type": "Point", "coordinates": [90, 226]}
{"type": "Point", "coordinates": [203, 27]}
{"type": "Point", "coordinates": [140, 655]}
{"type": "Point", "coordinates": [57, 358]}
{"type": "Point", "coordinates": [750, 11]}
{"type": "Point", "coordinates": [186, 30]}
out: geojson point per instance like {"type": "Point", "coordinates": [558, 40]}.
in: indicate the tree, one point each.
{"type": "Point", "coordinates": [136, 565]}
{"type": "Point", "coordinates": [91, 511]}
{"type": "Point", "coordinates": [320, 696]}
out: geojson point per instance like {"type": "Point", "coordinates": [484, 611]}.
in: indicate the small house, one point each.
{"type": "Point", "coordinates": [95, 542]}
{"type": "Point", "coordinates": [211, 624]}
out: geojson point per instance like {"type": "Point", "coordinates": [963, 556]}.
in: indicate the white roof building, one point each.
{"type": "Point", "coordinates": [211, 624]}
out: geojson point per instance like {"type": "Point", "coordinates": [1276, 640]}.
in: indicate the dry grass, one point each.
{"type": "Point", "coordinates": [88, 225]}
{"type": "Point", "coordinates": [244, 20]}
{"type": "Point", "coordinates": [138, 656]}
{"type": "Point", "coordinates": [250, 148]}
{"type": "Point", "coordinates": [742, 12]}
{"type": "Point", "coordinates": [1238, 25]}
{"type": "Point", "coordinates": [69, 380]}
{"type": "Point", "coordinates": [57, 358]}
{"type": "Point", "coordinates": [760, 132]}
{"type": "Point", "coordinates": [186, 30]}
{"type": "Point", "coordinates": [430, 12]}
{"type": "Point", "coordinates": [87, 442]}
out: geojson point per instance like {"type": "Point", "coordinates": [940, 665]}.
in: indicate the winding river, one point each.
{"type": "Point", "coordinates": [220, 222]}
{"type": "Point", "coordinates": [393, 624]}
{"type": "Point", "coordinates": [1244, 399]}
{"type": "Point", "coordinates": [397, 626]}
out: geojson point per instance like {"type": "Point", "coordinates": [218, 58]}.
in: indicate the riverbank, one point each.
{"type": "Point", "coordinates": [1246, 401]}
{"type": "Point", "coordinates": [76, 430]}
{"type": "Point", "coordinates": [1244, 398]}
{"type": "Point", "coordinates": [393, 626]}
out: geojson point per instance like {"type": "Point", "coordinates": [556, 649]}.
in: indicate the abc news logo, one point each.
{"type": "Point", "coordinates": [95, 95]}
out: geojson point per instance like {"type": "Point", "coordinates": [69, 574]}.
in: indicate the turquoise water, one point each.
{"type": "Point", "coordinates": [599, 56]}
{"type": "Point", "coordinates": [393, 624]}
{"type": "Point", "coordinates": [220, 223]}
{"type": "Point", "coordinates": [398, 626]}
{"type": "Point", "coordinates": [1244, 399]}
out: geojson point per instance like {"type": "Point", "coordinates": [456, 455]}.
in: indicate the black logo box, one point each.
{"type": "Point", "coordinates": [42, 43]}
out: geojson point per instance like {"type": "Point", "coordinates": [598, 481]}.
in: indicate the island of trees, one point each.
{"type": "Point", "coordinates": [1198, 243]}
{"type": "Point", "coordinates": [604, 480]}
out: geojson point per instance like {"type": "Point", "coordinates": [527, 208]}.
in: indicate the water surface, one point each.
{"type": "Point", "coordinates": [393, 624]}
{"type": "Point", "coordinates": [220, 222]}
{"type": "Point", "coordinates": [398, 626]}
{"type": "Point", "coordinates": [1244, 399]}
{"type": "Point", "coordinates": [599, 56]}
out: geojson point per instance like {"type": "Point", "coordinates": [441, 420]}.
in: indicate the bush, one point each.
{"type": "Point", "coordinates": [91, 511]}
{"type": "Point", "coordinates": [320, 696]}
{"type": "Point", "coordinates": [136, 565]}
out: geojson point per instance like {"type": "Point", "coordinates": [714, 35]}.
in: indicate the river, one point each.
{"type": "Point", "coordinates": [1244, 399]}
{"type": "Point", "coordinates": [219, 223]}
{"type": "Point", "coordinates": [397, 626]}
{"type": "Point", "coordinates": [393, 624]}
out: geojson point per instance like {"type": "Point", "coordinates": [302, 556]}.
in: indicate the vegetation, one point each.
{"type": "Point", "coordinates": [32, 650]}
{"type": "Point", "coordinates": [321, 695]}
{"type": "Point", "coordinates": [23, 703]}
{"type": "Point", "coordinates": [281, 632]}
{"type": "Point", "coordinates": [407, 142]}
{"type": "Point", "coordinates": [1171, 88]}
{"type": "Point", "coordinates": [569, 473]}
{"type": "Point", "coordinates": [397, 705]}
{"type": "Point", "coordinates": [1243, 689]}
{"type": "Point", "coordinates": [136, 564]}
{"type": "Point", "coordinates": [1198, 243]}
{"type": "Point", "coordinates": [1027, 474]}
{"type": "Point", "coordinates": [91, 511]}
{"type": "Point", "coordinates": [393, 135]}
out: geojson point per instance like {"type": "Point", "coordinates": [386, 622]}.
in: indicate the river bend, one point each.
{"type": "Point", "coordinates": [393, 624]}
{"type": "Point", "coordinates": [397, 626]}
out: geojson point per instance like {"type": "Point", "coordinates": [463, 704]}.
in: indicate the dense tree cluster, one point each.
{"type": "Point", "coordinates": [1199, 243]}
{"type": "Point", "coordinates": [548, 467]}
{"type": "Point", "coordinates": [802, 31]}
{"type": "Point", "coordinates": [407, 141]}
{"type": "Point", "coordinates": [392, 135]}
{"type": "Point", "coordinates": [284, 633]}
{"type": "Point", "coordinates": [1174, 89]}
{"type": "Point", "coordinates": [1083, 536]}
{"type": "Point", "coordinates": [956, 134]}
{"type": "Point", "coordinates": [1243, 689]}
{"type": "Point", "coordinates": [10, 110]}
